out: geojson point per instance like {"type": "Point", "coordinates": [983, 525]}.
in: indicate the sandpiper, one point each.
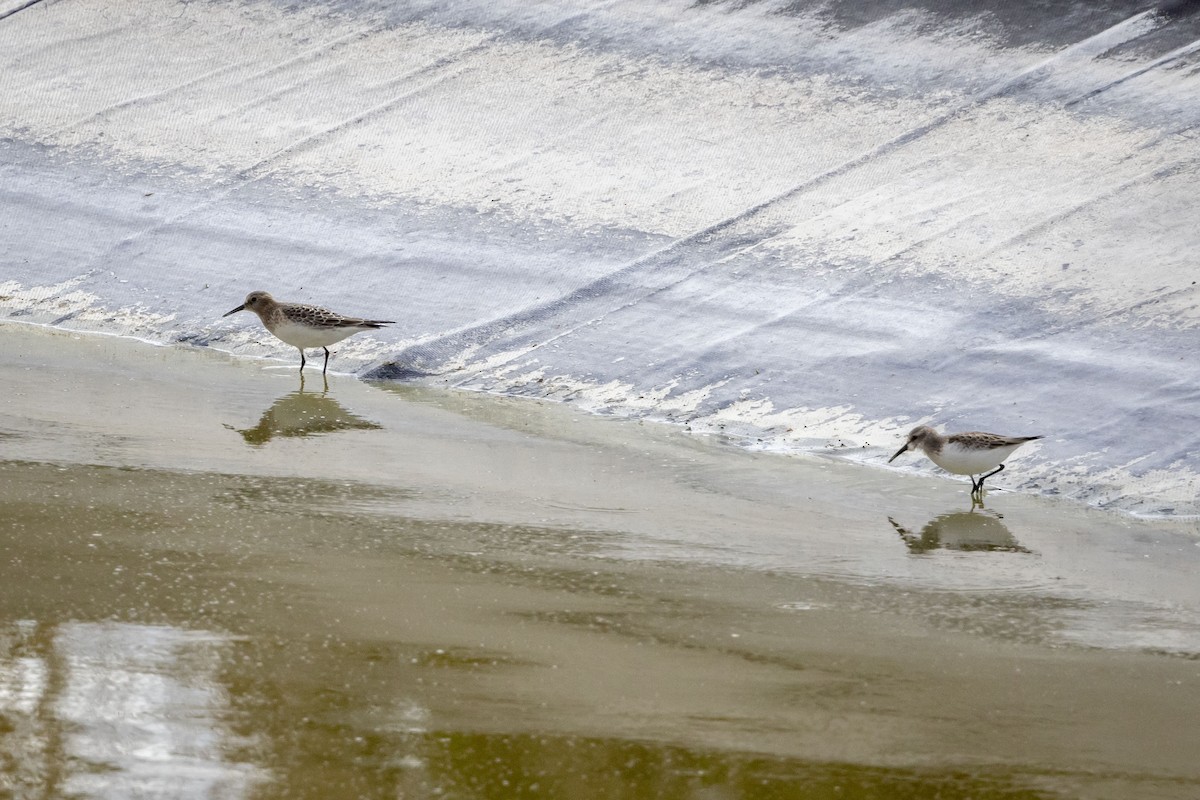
{"type": "Point", "coordinates": [304, 326]}
{"type": "Point", "coordinates": [964, 453]}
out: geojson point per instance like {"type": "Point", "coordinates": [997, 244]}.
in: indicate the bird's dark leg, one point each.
{"type": "Point", "coordinates": [301, 349]}
{"type": "Point", "coordinates": [326, 349]}
{"type": "Point", "coordinates": [990, 474]}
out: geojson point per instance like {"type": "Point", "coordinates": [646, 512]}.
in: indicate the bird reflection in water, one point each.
{"type": "Point", "coordinates": [974, 530]}
{"type": "Point", "coordinates": [302, 413]}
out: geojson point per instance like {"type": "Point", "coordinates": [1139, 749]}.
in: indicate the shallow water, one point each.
{"type": "Point", "coordinates": [218, 583]}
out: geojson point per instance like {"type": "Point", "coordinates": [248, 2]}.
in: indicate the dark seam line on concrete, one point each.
{"type": "Point", "coordinates": [8, 14]}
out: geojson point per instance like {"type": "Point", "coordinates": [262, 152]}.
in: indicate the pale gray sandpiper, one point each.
{"type": "Point", "coordinates": [304, 326]}
{"type": "Point", "coordinates": [964, 453]}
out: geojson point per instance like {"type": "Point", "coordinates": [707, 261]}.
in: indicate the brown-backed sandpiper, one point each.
{"type": "Point", "coordinates": [304, 326]}
{"type": "Point", "coordinates": [964, 453]}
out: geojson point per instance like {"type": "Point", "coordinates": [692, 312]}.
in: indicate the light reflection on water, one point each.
{"type": "Point", "coordinates": [117, 710]}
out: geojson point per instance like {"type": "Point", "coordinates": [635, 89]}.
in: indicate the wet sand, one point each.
{"type": "Point", "coordinates": [218, 583]}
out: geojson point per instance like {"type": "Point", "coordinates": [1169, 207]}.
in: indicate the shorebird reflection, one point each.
{"type": "Point", "coordinates": [302, 413]}
{"type": "Point", "coordinates": [974, 530]}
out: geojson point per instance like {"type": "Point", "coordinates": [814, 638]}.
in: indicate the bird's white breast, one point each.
{"type": "Point", "coordinates": [308, 336]}
{"type": "Point", "coordinates": [970, 460]}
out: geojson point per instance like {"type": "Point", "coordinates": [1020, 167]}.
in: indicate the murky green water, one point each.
{"type": "Point", "coordinates": [213, 584]}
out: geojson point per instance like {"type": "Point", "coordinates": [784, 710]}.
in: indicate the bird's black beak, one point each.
{"type": "Point", "coordinates": [242, 307]}
{"type": "Point", "coordinates": [898, 453]}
